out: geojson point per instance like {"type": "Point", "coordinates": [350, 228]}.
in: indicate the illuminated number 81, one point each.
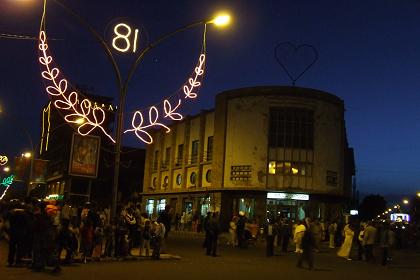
{"type": "Point", "coordinates": [125, 37]}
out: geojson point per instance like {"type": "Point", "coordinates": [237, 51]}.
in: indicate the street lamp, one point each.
{"type": "Point", "coordinates": [418, 194]}
{"type": "Point", "coordinates": [122, 85]}
{"type": "Point", "coordinates": [405, 201]}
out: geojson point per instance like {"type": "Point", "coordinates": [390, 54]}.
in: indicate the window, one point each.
{"type": "Point", "coordinates": [149, 206]}
{"type": "Point", "coordinates": [180, 155]}
{"type": "Point", "coordinates": [208, 176]}
{"type": "Point", "coordinates": [193, 178]}
{"type": "Point", "coordinates": [161, 205]}
{"type": "Point", "coordinates": [194, 151]}
{"type": "Point", "coordinates": [209, 148]}
{"type": "Point", "coordinates": [167, 157]}
{"type": "Point", "coordinates": [179, 179]}
{"type": "Point", "coordinates": [332, 178]}
{"type": "Point", "coordinates": [272, 167]}
{"type": "Point", "coordinates": [291, 128]}
{"type": "Point", "coordinates": [290, 168]}
{"type": "Point", "coordinates": [156, 160]}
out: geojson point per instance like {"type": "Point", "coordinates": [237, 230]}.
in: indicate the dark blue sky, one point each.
{"type": "Point", "coordinates": [369, 55]}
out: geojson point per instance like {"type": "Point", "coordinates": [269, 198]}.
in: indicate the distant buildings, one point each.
{"type": "Point", "coordinates": [266, 151]}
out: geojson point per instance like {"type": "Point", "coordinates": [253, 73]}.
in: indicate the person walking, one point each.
{"type": "Point", "coordinates": [345, 248]}
{"type": "Point", "coordinates": [232, 232]}
{"type": "Point", "coordinates": [332, 229]}
{"type": "Point", "coordinates": [240, 230]}
{"type": "Point", "coordinates": [298, 235]}
{"type": "Point", "coordinates": [307, 247]}
{"type": "Point", "coordinates": [270, 231]}
{"type": "Point", "coordinates": [157, 236]}
{"type": "Point", "coordinates": [369, 238]}
{"type": "Point", "coordinates": [386, 240]}
{"type": "Point", "coordinates": [286, 233]}
{"type": "Point", "coordinates": [213, 230]}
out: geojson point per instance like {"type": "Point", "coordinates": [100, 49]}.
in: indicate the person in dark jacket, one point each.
{"type": "Point", "coordinates": [270, 232]}
{"type": "Point", "coordinates": [206, 225]}
{"type": "Point", "coordinates": [213, 231]}
{"type": "Point", "coordinates": [17, 233]}
{"type": "Point", "coordinates": [240, 230]}
{"type": "Point", "coordinates": [308, 246]}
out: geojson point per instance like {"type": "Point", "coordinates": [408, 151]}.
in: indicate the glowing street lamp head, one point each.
{"type": "Point", "coordinates": [27, 155]}
{"type": "Point", "coordinates": [221, 20]}
{"type": "Point", "coordinates": [418, 194]}
{"type": "Point", "coordinates": [405, 201]}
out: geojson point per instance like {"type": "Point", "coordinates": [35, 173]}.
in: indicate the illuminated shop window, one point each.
{"type": "Point", "coordinates": [161, 205]}
{"type": "Point", "coordinates": [179, 179]}
{"type": "Point", "coordinates": [290, 168]}
{"type": "Point", "coordinates": [149, 206]}
{"type": "Point", "coordinates": [272, 167]}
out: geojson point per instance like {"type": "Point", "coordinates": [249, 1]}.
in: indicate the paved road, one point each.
{"type": "Point", "coordinates": [233, 263]}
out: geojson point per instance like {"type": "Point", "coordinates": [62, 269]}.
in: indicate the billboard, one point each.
{"type": "Point", "coordinates": [84, 156]}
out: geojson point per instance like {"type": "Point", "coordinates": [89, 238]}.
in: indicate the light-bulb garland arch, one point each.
{"type": "Point", "coordinates": [79, 110]}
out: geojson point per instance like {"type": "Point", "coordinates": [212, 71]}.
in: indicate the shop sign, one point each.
{"type": "Point", "coordinates": [293, 196]}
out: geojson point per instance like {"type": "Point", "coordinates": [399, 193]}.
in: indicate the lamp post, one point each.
{"type": "Point", "coordinates": [122, 85]}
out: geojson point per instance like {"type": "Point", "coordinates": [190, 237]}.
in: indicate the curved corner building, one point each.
{"type": "Point", "coordinates": [268, 151]}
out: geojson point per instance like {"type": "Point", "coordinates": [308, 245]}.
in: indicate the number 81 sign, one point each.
{"type": "Point", "coordinates": [123, 39]}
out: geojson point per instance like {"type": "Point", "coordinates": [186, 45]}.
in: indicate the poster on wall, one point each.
{"type": "Point", "coordinates": [84, 156]}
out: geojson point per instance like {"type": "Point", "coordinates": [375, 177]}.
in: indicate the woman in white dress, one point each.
{"type": "Point", "coordinates": [344, 250]}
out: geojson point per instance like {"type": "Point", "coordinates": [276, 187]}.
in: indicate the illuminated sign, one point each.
{"type": "Point", "coordinates": [124, 37]}
{"type": "Point", "coordinates": [292, 196]}
{"type": "Point", "coordinates": [7, 182]}
{"type": "Point", "coordinates": [3, 160]}
{"type": "Point", "coordinates": [55, 197]}
{"type": "Point", "coordinates": [400, 217]}
{"type": "Point", "coordinates": [354, 212]}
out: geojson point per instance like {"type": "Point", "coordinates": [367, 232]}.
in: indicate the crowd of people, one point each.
{"type": "Point", "coordinates": [41, 231]}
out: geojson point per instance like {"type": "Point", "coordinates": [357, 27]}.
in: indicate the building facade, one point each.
{"type": "Point", "coordinates": [267, 151]}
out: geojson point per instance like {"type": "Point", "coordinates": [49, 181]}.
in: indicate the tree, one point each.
{"type": "Point", "coordinates": [372, 206]}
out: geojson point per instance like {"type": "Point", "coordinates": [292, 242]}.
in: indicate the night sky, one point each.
{"type": "Point", "coordinates": [369, 55]}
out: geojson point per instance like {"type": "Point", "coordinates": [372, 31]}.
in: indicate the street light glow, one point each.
{"type": "Point", "coordinates": [221, 20]}
{"type": "Point", "coordinates": [27, 155]}
{"type": "Point", "coordinates": [6, 169]}
{"type": "Point", "coordinates": [418, 194]}
{"type": "Point", "coordinates": [405, 201]}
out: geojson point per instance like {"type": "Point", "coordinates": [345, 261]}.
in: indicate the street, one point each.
{"type": "Point", "coordinates": [233, 263]}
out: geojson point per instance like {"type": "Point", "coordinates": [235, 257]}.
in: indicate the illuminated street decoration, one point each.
{"type": "Point", "coordinates": [67, 100]}
{"type": "Point", "coordinates": [139, 126]}
{"type": "Point", "coordinates": [45, 132]}
{"type": "Point", "coordinates": [89, 116]}
{"type": "Point", "coordinates": [3, 160]}
{"type": "Point", "coordinates": [7, 182]}
{"type": "Point", "coordinates": [125, 37]}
